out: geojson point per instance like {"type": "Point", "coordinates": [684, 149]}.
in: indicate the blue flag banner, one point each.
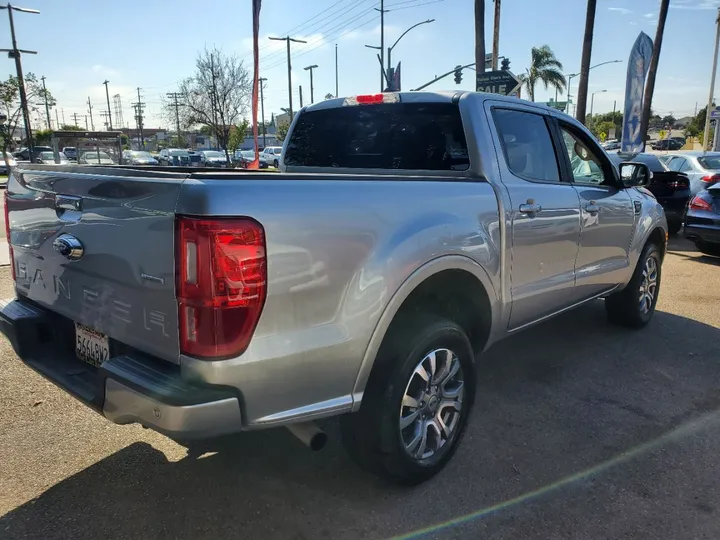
{"type": "Point", "coordinates": [632, 140]}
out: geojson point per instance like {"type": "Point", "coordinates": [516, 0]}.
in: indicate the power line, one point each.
{"type": "Point", "coordinates": [174, 96]}
{"type": "Point", "coordinates": [107, 96]}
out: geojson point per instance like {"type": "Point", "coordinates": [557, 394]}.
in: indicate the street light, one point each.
{"type": "Point", "coordinates": [592, 99]}
{"type": "Point", "coordinates": [312, 91]}
{"type": "Point", "coordinates": [390, 49]}
{"type": "Point", "coordinates": [591, 67]}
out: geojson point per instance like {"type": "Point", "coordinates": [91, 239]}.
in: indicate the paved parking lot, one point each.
{"type": "Point", "coordinates": [581, 430]}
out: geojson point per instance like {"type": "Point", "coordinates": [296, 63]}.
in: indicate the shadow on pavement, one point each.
{"type": "Point", "coordinates": [555, 400]}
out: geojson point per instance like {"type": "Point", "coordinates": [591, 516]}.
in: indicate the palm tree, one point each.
{"type": "Point", "coordinates": [544, 67]}
{"type": "Point", "coordinates": [585, 62]}
{"type": "Point", "coordinates": [654, 61]}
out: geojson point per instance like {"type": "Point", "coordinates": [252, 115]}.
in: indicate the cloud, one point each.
{"type": "Point", "coordinates": [633, 23]}
{"type": "Point", "coordinates": [695, 4]}
{"type": "Point", "coordinates": [622, 11]}
{"type": "Point", "coordinates": [649, 15]}
{"type": "Point", "coordinates": [105, 71]}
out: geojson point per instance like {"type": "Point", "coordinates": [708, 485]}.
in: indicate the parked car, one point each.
{"type": "Point", "coordinates": [666, 144]}
{"type": "Point", "coordinates": [195, 158]}
{"type": "Point", "coordinates": [611, 145]}
{"type": "Point", "coordinates": [702, 222]}
{"type": "Point", "coordinates": [681, 140]}
{"type": "Point", "coordinates": [24, 153]}
{"type": "Point", "coordinates": [136, 157]}
{"type": "Point", "coordinates": [48, 158]}
{"type": "Point", "coordinates": [670, 188]}
{"type": "Point", "coordinates": [703, 169]}
{"type": "Point", "coordinates": [95, 158]}
{"type": "Point", "coordinates": [360, 281]}
{"type": "Point", "coordinates": [174, 157]}
{"type": "Point", "coordinates": [273, 155]}
{"type": "Point", "coordinates": [70, 153]}
{"type": "Point", "coordinates": [244, 157]}
{"type": "Point", "coordinates": [213, 158]}
{"type": "Point", "coordinates": [10, 162]}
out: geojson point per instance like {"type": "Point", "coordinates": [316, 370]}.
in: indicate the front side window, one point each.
{"type": "Point", "coordinates": [585, 165]}
{"type": "Point", "coordinates": [527, 144]}
{"type": "Point", "coordinates": [404, 136]}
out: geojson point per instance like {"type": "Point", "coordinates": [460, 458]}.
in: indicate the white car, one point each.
{"type": "Point", "coordinates": [273, 155]}
{"type": "Point", "coordinates": [96, 158]}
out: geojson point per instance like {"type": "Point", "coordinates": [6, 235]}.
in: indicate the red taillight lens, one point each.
{"type": "Point", "coordinates": [7, 234]}
{"type": "Point", "coordinates": [221, 284]}
{"type": "Point", "coordinates": [698, 203]}
{"type": "Point", "coordinates": [711, 178]}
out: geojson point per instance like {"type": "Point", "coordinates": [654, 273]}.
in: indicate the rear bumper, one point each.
{"type": "Point", "coordinates": [703, 233]}
{"type": "Point", "coordinates": [126, 389]}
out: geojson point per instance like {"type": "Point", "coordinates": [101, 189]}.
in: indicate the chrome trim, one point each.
{"type": "Point", "coordinates": [69, 247]}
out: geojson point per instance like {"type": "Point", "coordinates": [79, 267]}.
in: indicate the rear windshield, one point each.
{"type": "Point", "coordinates": [406, 136]}
{"type": "Point", "coordinates": [653, 162]}
{"type": "Point", "coordinates": [710, 162]}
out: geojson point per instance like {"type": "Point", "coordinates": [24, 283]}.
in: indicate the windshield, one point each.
{"type": "Point", "coordinates": [47, 155]}
{"type": "Point", "coordinates": [248, 154]}
{"type": "Point", "coordinates": [710, 162]}
{"type": "Point", "coordinates": [213, 154]}
{"type": "Point", "coordinates": [142, 155]}
{"type": "Point", "coordinates": [180, 153]}
{"type": "Point", "coordinates": [95, 155]}
{"type": "Point", "coordinates": [654, 163]}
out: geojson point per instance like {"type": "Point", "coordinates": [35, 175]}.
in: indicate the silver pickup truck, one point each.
{"type": "Point", "coordinates": [405, 233]}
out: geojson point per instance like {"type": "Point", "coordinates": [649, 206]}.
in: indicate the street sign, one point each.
{"type": "Point", "coordinates": [715, 113]}
{"type": "Point", "coordinates": [498, 82]}
{"type": "Point", "coordinates": [559, 105]}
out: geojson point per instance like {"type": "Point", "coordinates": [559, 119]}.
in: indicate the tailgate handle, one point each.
{"type": "Point", "coordinates": [68, 202]}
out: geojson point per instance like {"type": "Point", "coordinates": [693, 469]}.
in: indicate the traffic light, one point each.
{"type": "Point", "coordinates": [458, 74]}
{"type": "Point", "coordinates": [505, 64]}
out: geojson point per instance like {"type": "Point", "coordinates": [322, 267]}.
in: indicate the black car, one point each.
{"type": "Point", "coordinates": [245, 157]}
{"type": "Point", "coordinates": [667, 144]}
{"type": "Point", "coordinates": [24, 153]}
{"type": "Point", "coordinates": [702, 221]}
{"type": "Point", "coordinates": [670, 188]}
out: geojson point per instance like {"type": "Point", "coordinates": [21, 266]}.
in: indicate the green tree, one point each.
{"type": "Point", "coordinates": [70, 127]}
{"type": "Point", "coordinates": [281, 131]}
{"type": "Point", "coordinates": [545, 68]}
{"type": "Point", "coordinates": [237, 136]}
{"type": "Point", "coordinates": [10, 103]}
{"type": "Point", "coordinates": [42, 137]}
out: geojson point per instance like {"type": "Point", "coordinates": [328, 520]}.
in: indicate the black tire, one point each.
{"type": "Point", "coordinates": [708, 248]}
{"type": "Point", "coordinates": [276, 164]}
{"type": "Point", "coordinates": [372, 436]}
{"type": "Point", "coordinates": [624, 307]}
{"type": "Point", "coordinates": [674, 226]}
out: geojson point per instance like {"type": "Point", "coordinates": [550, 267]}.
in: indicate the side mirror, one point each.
{"type": "Point", "coordinates": [635, 174]}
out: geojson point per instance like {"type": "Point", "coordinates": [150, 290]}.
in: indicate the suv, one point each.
{"type": "Point", "coordinates": [273, 155]}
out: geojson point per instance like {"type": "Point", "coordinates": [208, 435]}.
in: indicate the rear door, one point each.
{"type": "Point", "coordinates": [607, 214]}
{"type": "Point", "coordinates": [545, 215]}
{"type": "Point", "coordinates": [120, 280]}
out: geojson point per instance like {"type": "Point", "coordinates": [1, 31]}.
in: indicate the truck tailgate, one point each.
{"type": "Point", "coordinates": [120, 282]}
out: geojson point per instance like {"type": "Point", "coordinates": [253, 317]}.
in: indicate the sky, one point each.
{"type": "Point", "coordinates": [153, 44]}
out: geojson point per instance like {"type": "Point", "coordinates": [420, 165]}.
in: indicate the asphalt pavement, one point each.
{"type": "Point", "coordinates": [581, 430]}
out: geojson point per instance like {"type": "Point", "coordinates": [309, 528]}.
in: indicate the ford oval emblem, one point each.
{"type": "Point", "coordinates": [69, 247]}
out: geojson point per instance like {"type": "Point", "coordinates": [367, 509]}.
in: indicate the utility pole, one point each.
{"type": "Point", "coordinates": [92, 123]}
{"type": "Point", "coordinates": [175, 96]}
{"type": "Point", "coordinates": [57, 120]}
{"type": "Point", "coordinates": [262, 110]}
{"type": "Point", "coordinates": [107, 96]}
{"type": "Point", "coordinates": [86, 123]}
{"type": "Point", "coordinates": [337, 91]}
{"type": "Point", "coordinates": [139, 118]}
{"type": "Point", "coordinates": [706, 135]}
{"type": "Point", "coordinates": [47, 109]}
{"type": "Point", "coordinates": [75, 115]}
{"type": "Point", "coordinates": [106, 115]}
{"type": "Point", "coordinates": [301, 103]}
{"type": "Point", "coordinates": [581, 105]}
{"type": "Point", "coordinates": [479, 41]}
{"type": "Point", "coordinates": [382, 44]}
{"type": "Point", "coordinates": [312, 91]}
{"type": "Point", "coordinates": [15, 53]}
{"type": "Point", "coordinates": [62, 113]}
{"type": "Point", "coordinates": [287, 40]}
{"type": "Point", "coordinates": [496, 38]}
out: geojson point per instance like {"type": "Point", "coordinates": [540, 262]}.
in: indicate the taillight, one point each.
{"type": "Point", "coordinates": [221, 284]}
{"type": "Point", "coordinates": [711, 179]}
{"type": "Point", "coordinates": [698, 203]}
{"type": "Point", "coordinates": [7, 234]}
{"type": "Point", "coordinates": [679, 184]}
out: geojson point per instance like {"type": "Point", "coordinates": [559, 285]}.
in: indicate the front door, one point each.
{"type": "Point", "coordinates": [607, 215]}
{"type": "Point", "coordinates": [544, 214]}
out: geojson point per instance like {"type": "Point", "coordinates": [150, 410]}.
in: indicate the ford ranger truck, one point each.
{"type": "Point", "coordinates": [405, 234]}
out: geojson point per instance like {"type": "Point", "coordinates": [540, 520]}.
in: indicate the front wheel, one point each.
{"type": "Point", "coordinates": [276, 164]}
{"type": "Point", "coordinates": [417, 402]}
{"type": "Point", "coordinates": [634, 306]}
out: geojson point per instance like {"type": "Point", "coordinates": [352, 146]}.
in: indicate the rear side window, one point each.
{"type": "Point", "coordinates": [403, 136]}
{"type": "Point", "coordinates": [527, 144]}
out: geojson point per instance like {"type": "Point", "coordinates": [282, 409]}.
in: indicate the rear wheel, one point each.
{"type": "Point", "coordinates": [708, 248]}
{"type": "Point", "coordinates": [276, 164]}
{"type": "Point", "coordinates": [417, 401]}
{"type": "Point", "coordinates": [635, 304]}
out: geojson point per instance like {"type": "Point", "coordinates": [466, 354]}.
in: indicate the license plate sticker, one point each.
{"type": "Point", "coordinates": [91, 346]}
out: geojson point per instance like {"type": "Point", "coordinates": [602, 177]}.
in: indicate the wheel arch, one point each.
{"type": "Point", "coordinates": [453, 270]}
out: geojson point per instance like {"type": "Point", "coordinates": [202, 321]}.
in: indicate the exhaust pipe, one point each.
{"type": "Point", "coordinates": [310, 434]}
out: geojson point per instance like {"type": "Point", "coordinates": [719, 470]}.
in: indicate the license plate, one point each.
{"type": "Point", "coordinates": [91, 346]}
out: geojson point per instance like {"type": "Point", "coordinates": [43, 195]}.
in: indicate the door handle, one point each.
{"type": "Point", "coordinates": [592, 208]}
{"type": "Point", "coordinates": [530, 207]}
